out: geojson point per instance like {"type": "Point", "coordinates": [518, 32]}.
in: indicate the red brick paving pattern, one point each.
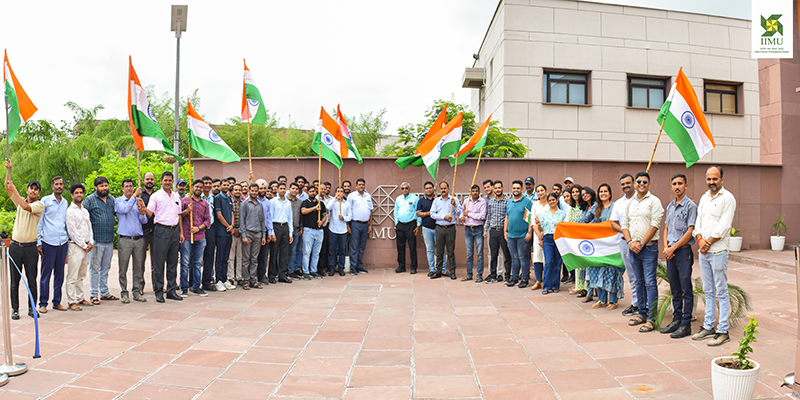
{"type": "Point", "coordinates": [385, 336]}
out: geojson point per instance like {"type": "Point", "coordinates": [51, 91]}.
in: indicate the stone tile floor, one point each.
{"type": "Point", "coordinates": [386, 336]}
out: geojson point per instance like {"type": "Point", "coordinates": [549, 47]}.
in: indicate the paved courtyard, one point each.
{"type": "Point", "coordinates": [386, 336]}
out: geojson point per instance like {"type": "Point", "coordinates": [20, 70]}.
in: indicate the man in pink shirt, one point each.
{"type": "Point", "coordinates": [165, 206]}
{"type": "Point", "coordinates": [473, 217]}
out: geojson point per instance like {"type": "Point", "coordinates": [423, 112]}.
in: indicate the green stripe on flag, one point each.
{"type": "Point", "coordinates": [327, 153]}
{"type": "Point", "coordinates": [572, 261]}
{"type": "Point", "coordinates": [149, 128]}
{"type": "Point", "coordinates": [14, 117]}
{"type": "Point", "coordinates": [463, 157]}
{"type": "Point", "coordinates": [404, 162]}
{"type": "Point", "coordinates": [219, 152]}
{"type": "Point", "coordinates": [677, 132]}
{"type": "Point", "coordinates": [252, 93]}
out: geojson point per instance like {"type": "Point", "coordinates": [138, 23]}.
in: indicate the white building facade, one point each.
{"type": "Point", "coordinates": [585, 81]}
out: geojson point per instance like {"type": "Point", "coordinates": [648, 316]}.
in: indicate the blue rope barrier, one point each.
{"type": "Point", "coordinates": [36, 353]}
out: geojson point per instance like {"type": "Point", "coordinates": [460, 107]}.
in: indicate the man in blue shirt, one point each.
{"type": "Point", "coordinates": [406, 227]}
{"type": "Point", "coordinates": [518, 234]}
{"type": "Point", "coordinates": [339, 216]}
{"type": "Point", "coordinates": [223, 227]}
{"type": "Point", "coordinates": [53, 245]}
{"type": "Point", "coordinates": [131, 241]}
{"type": "Point", "coordinates": [428, 226]}
{"type": "Point", "coordinates": [445, 211]}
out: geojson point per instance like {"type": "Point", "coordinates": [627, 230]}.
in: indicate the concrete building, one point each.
{"type": "Point", "coordinates": [582, 80]}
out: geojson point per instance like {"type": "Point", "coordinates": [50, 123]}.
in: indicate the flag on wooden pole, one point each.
{"type": "Point", "coordinates": [351, 151]}
{"type": "Point", "coordinates": [19, 105]}
{"type": "Point", "coordinates": [683, 119]}
{"type": "Point", "coordinates": [147, 134]}
{"type": "Point", "coordinates": [328, 140]}
{"type": "Point", "coordinates": [205, 141]}
{"type": "Point", "coordinates": [476, 142]}
{"type": "Point", "coordinates": [416, 159]}
{"type": "Point", "coordinates": [253, 109]}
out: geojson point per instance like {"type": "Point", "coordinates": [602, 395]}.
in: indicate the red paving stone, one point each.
{"type": "Point", "coordinates": [386, 336]}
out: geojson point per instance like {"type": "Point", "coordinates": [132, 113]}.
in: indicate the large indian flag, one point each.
{"type": "Point", "coordinates": [20, 107]}
{"type": "Point", "coordinates": [147, 134]}
{"type": "Point", "coordinates": [476, 142]}
{"type": "Point", "coordinates": [328, 140]}
{"type": "Point", "coordinates": [205, 141]}
{"type": "Point", "coordinates": [588, 245]}
{"type": "Point", "coordinates": [442, 144]}
{"type": "Point", "coordinates": [351, 151]}
{"type": "Point", "coordinates": [684, 122]}
{"type": "Point", "coordinates": [253, 109]}
{"type": "Point", "coordinates": [416, 159]}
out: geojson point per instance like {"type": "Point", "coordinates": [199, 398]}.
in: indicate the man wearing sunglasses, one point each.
{"type": "Point", "coordinates": [640, 230]}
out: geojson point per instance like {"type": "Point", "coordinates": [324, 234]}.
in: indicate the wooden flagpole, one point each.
{"type": "Point", "coordinates": [475, 175]}
{"type": "Point", "coordinates": [319, 179]}
{"type": "Point", "coordinates": [654, 147]}
{"type": "Point", "coordinates": [191, 212]}
{"type": "Point", "coordinates": [138, 167]}
{"type": "Point", "coordinates": [249, 153]}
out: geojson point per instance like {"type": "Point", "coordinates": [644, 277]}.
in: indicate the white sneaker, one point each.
{"type": "Point", "coordinates": [220, 286]}
{"type": "Point", "coordinates": [229, 286]}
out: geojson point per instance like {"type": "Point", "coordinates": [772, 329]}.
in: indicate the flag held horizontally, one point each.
{"type": "Point", "coordinates": [19, 105]}
{"type": "Point", "coordinates": [205, 141]}
{"type": "Point", "coordinates": [588, 245]}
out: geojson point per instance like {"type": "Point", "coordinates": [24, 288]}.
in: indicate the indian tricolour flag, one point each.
{"type": "Point", "coordinates": [147, 134]}
{"type": "Point", "coordinates": [205, 141]}
{"type": "Point", "coordinates": [19, 106]}
{"type": "Point", "coordinates": [416, 159]}
{"type": "Point", "coordinates": [442, 144]}
{"type": "Point", "coordinates": [683, 120]}
{"type": "Point", "coordinates": [528, 216]}
{"type": "Point", "coordinates": [476, 142]}
{"type": "Point", "coordinates": [588, 245]}
{"type": "Point", "coordinates": [351, 151]}
{"type": "Point", "coordinates": [328, 140]}
{"type": "Point", "coordinates": [253, 109]}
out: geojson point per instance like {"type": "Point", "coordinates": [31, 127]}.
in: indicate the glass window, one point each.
{"type": "Point", "coordinates": [646, 92]}
{"type": "Point", "coordinates": [566, 88]}
{"type": "Point", "coordinates": [721, 98]}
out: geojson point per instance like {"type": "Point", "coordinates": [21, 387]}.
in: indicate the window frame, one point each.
{"type": "Point", "coordinates": [631, 85]}
{"type": "Point", "coordinates": [736, 94]}
{"type": "Point", "coordinates": [547, 92]}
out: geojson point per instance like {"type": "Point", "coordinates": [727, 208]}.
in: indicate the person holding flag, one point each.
{"type": "Point", "coordinates": [445, 211]}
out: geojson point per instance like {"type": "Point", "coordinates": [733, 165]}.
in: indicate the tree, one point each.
{"type": "Point", "coordinates": [500, 142]}
{"type": "Point", "coordinates": [368, 130]}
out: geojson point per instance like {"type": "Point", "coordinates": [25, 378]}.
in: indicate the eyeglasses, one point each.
{"type": "Point", "coordinates": [642, 181]}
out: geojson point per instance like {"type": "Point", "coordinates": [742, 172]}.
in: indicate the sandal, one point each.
{"type": "Point", "coordinates": [612, 306]}
{"type": "Point", "coordinates": [246, 286]}
{"type": "Point", "coordinates": [95, 301]}
{"type": "Point", "coordinates": [257, 286]}
{"type": "Point", "coordinates": [646, 328]}
{"type": "Point", "coordinates": [599, 304]}
{"type": "Point", "coordinates": [75, 307]}
{"type": "Point", "coordinates": [545, 291]}
{"type": "Point", "coordinates": [554, 291]}
{"type": "Point", "coordinates": [588, 299]}
{"type": "Point", "coordinates": [109, 297]}
{"type": "Point", "coordinates": [83, 302]}
{"type": "Point", "coordinates": [636, 321]}
{"type": "Point", "coordinates": [582, 293]}
{"type": "Point", "coordinates": [574, 291]}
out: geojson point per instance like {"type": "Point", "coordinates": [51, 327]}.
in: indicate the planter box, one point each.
{"type": "Point", "coordinates": [733, 384]}
{"type": "Point", "coordinates": [735, 244]}
{"type": "Point", "coordinates": [777, 242]}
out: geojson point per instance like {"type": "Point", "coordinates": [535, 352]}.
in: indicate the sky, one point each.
{"type": "Point", "coordinates": [364, 55]}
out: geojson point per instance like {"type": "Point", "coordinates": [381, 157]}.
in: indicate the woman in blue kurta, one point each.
{"type": "Point", "coordinates": [607, 280]}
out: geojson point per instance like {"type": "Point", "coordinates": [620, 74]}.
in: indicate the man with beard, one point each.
{"type": "Point", "coordinates": [313, 216]}
{"type": "Point", "coordinates": [130, 245]}
{"type": "Point", "coordinates": [223, 208]}
{"type": "Point", "coordinates": [147, 228]}
{"type": "Point", "coordinates": [196, 219]}
{"type": "Point", "coordinates": [493, 229]}
{"type": "Point", "coordinates": [428, 226]}
{"type": "Point", "coordinates": [268, 247]}
{"type": "Point", "coordinates": [23, 239]}
{"type": "Point", "coordinates": [235, 255]}
{"type": "Point", "coordinates": [100, 205]}
{"type": "Point", "coordinates": [346, 185]}
{"type": "Point", "coordinates": [53, 240]}
{"type": "Point", "coordinates": [302, 185]}
{"type": "Point", "coordinates": [273, 189]}
{"type": "Point", "coordinates": [296, 247]}
{"type": "Point", "coordinates": [216, 186]}
{"type": "Point", "coordinates": [181, 186]}
{"type": "Point", "coordinates": [165, 207]}
{"type": "Point", "coordinates": [445, 211]}
{"type": "Point", "coordinates": [626, 184]}
{"type": "Point", "coordinates": [211, 238]}
{"type": "Point", "coordinates": [252, 223]}
{"type": "Point", "coordinates": [282, 226]}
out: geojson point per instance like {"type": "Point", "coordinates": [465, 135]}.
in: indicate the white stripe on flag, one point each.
{"type": "Point", "coordinates": [589, 247]}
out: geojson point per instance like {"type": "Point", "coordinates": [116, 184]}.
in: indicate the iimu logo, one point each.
{"type": "Point", "coordinates": [771, 26]}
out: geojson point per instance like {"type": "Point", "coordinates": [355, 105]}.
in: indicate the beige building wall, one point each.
{"type": "Point", "coordinates": [611, 41]}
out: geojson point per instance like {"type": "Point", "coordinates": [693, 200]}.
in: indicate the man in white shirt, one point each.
{"type": "Point", "coordinates": [81, 240]}
{"type": "Point", "coordinates": [626, 185]}
{"type": "Point", "coordinates": [165, 206]}
{"type": "Point", "coordinates": [327, 199]}
{"type": "Point", "coordinates": [712, 230]}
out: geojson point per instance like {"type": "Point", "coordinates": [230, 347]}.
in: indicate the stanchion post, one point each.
{"type": "Point", "coordinates": [9, 368]}
{"type": "Point", "coordinates": [791, 379]}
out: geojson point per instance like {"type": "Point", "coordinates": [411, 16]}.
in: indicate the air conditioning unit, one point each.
{"type": "Point", "coordinates": [473, 78]}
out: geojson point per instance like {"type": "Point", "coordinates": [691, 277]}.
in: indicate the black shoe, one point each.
{"type": "Point", "coordinates": [263, 281]}
{"type": "Point", "coordinates": [570, 281]}
{"type": "Point", "coordinates": [523, 284]}
{"type": "Point", "coordinates": [682, 331]}
{"type": "Point", "coordinates": [511, 283]}
{"type": "Point", "coordinates": [284, 279]}
{"type": "Point", "coordinates": [564, 278]}
{"type": "Point", "coordinates": [30, 313]}
{"type": "Point", "coordinates": [399, 270]}
{"type": "Point", "coordinates": [209, 287]}
{"type": "Point", "coordinates": [672, 327]}
{"type": "Point", "coordinates": [15, 315]}
{"type": "Point", "coordinates": [436, 275]}
{"type": "Point", "coordinates": [430, 274]}
{"type": "Point", "coordinates": [341, 272]}
{"type": "Point", "coordinates": [174, 296]}
{"type": "Point", "coordinates": [362, 270]}
{"type": "Point", "coordinates": [272, 281]}
{"type": "Point", "coordinates": [453, 275]}
{"type": "Point", "coordinates": [159, 298]}
{"type": "Point", "coordinates": [413, 271]}
{"type": "Point", "coordinates": [631, 310]}
{"type": "Point", "coordinates": [330, 273]}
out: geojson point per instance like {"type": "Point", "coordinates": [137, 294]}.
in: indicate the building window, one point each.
{"type": "Point", "coordinates": [721, 98]}
{"type": "Point", "coordinates": [566, 88]}
{"type": "Point", "coordinates": [646, 92]}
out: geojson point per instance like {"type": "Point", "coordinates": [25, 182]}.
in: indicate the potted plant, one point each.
{"type": "Point", "coordinates": [734, 377]}
{"type": "Point", "coordinates": [778, 241]}
{"type": "Point", "coordinates": [735, 243]}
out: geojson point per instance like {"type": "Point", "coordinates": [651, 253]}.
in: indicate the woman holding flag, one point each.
{"type": "Point", "coordinates": [586, 203]}
{"type": "Point", "coordinates": [538, 252]}
{"type": "Point", "coordinates": [608, 279]}
{"type": "Point", "coordinates": [552, 258]}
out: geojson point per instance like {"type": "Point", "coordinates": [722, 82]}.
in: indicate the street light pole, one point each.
{"type": "Point", "coordinates": [179, 15]}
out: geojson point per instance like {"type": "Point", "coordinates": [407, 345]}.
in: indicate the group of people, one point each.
{"type": "Point", "coordinates": [224, 234]}
{"type": "Point", "coordinates": [522, 225]}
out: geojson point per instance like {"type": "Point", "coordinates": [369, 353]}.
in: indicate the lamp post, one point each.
{"type": "Point", "coordinates": [178, 25]}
